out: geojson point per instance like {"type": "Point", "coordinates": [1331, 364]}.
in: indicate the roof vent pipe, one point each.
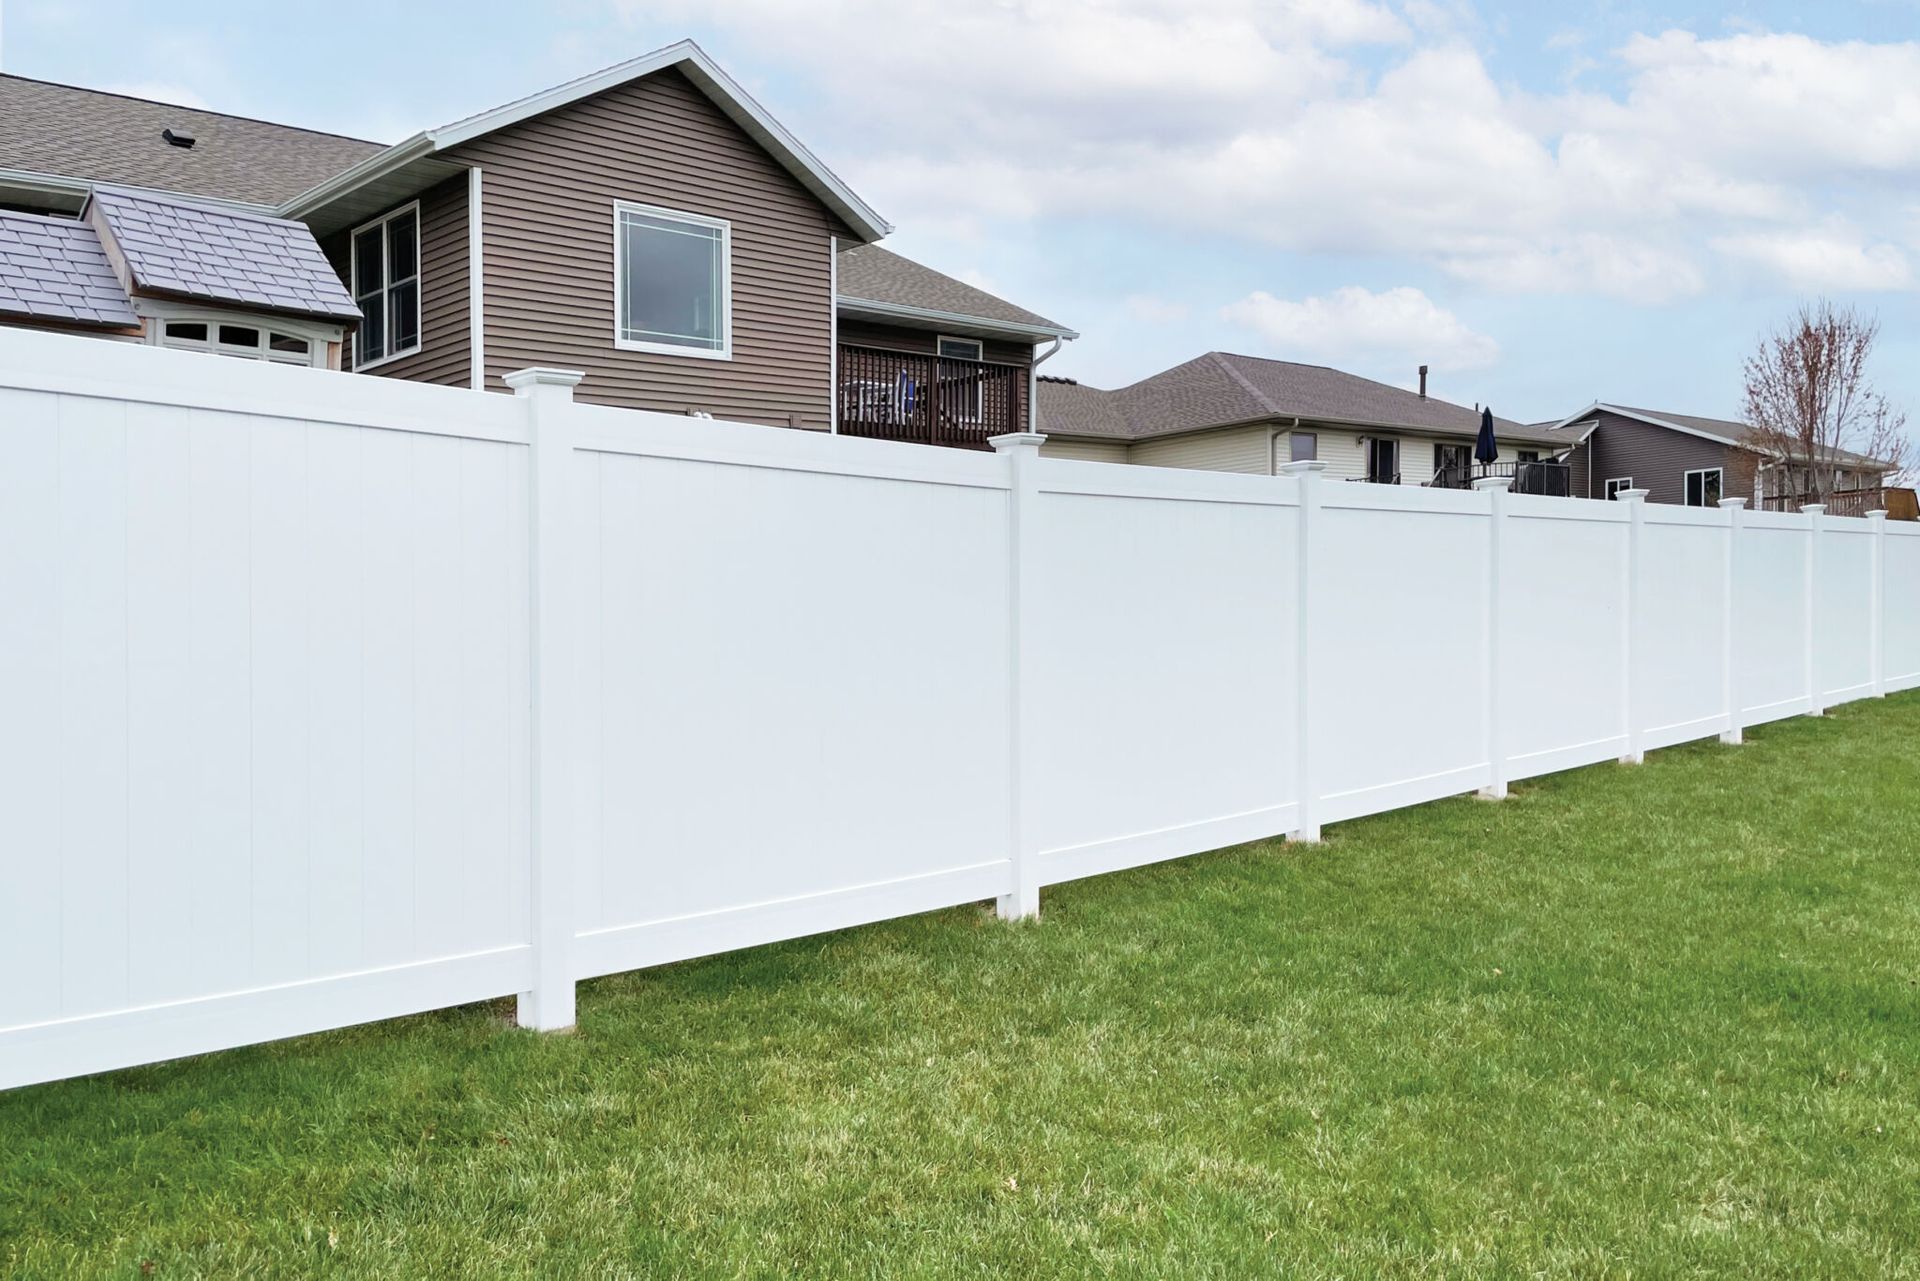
{"type": "Point", "coordinates": [1423, 382]}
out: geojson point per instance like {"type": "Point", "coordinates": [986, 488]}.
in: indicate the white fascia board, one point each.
{"type": "Point", "coordinates": [724, 91]}
{"type": "Point", "coordinates": [81, 189]}
{"type": "Point", "coordinates": [1670, 426]}
{"type": "Point", "coordinates": [900, 311]}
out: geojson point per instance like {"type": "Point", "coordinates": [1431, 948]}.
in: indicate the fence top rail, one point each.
{"type": "Point", "coordinates": [127, 371]}
{"type": "Point", "coordinates": [1776, 520]}
{"type": "Point", "coordinates": [643, 433]}
{"type": "Point", "coordinates": [1127, 480]}
{"type": "Point", "coordinates": [1550, 507]}
{"type": "Point", "coordinates": [1670, 514]}
{"type": "Point", "coordinates": [1407, 498]}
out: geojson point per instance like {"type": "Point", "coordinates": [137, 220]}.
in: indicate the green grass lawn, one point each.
{"type": "Point", "coordinates": [1635, 1022]}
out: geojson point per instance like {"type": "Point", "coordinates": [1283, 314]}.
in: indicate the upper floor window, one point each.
{"type": "Point", "coordinates": [962, 348]}
{"type": "Point", "coordinates": [672, 282]}
{"type": "Point", "coordinates": [386, 285]}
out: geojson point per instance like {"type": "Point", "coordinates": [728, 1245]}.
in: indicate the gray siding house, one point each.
{"type": "Point", "coordinates": [650, 224]}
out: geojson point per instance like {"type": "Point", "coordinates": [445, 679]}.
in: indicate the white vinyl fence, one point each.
{"type": "Point", "coordinates": [328, 698]}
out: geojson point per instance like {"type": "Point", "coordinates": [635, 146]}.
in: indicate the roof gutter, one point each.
{"type": "Point", "coordinates": [1013, 328]}
{"type": "Point", "coordinates": [377, 165]}
{"type": "Point", "coordinates": [80, 189]}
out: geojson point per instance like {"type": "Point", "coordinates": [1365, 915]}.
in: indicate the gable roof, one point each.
{"type": "Point", "coordinates": [876, 282]}
{"type": "Point", "coordinates": [1221, 389]}
{"type": "Point", "coordinates": [55, 270]}
{"type": "Point", "coordinates": [88, 136]}
{"type": "Point", "coordinates": [379, 180]}
{"type": "Point", "coordinates": [1725, 431]}
{"type": "Point", "coordinates": [184, 250]}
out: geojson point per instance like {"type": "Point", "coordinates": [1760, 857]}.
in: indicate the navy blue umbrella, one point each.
{"type": "Point", "coordinates": [1484, 448]}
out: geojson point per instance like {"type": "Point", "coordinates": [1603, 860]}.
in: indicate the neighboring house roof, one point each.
{"type": "Point", "coordinates": [1724, 430]}
{"type": "Point", "coordinates": [183, 250]}
{"type": "Point", "coordinates": [1220, 389]}
{"type": "Point", "coordinates": [54, 270]}
{"type": "Point", "coordinates": [876, 282]}
{"type": "Point", "coordinates": [377, 181]}
{"type": "Point", "coordinates": [89, 136]}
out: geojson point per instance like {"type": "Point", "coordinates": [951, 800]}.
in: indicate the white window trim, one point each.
{"type": "Point", "coordinates": [1687, 480]}
{"type": "Point", "coordinates": [725, 350]}
{"type": "Point", "coordinates": [1607, 486]}
{"type": "Point", "coordinates": [386, 280]}
{"type": "Point", "coordinates": [979, 347]}
{"type": "Point", "coordinates": [319, 334]}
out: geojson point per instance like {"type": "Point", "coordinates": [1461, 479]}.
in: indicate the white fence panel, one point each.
{"type": "Point", "coordinates": [1901, 599]}
{"type": "Point", "coordinates": [1398, 612]}
{"type": "Point", "coordinates": [1770, 618]}
{"type": "Point", "coordinates": [1843, 608]}
{"type": "Point", "coordinates": [328, 698]}
{"type": "Point", "coordinates": [1678, 683]}
{"type": "Point", "coordinates": [1564, 644]}
{"type": "Point", "coordinates": [796, 713]}
{"type": "Point", "coordinates": [190, 749]}
{"type": "Point", "coordinates": [1163, 667]}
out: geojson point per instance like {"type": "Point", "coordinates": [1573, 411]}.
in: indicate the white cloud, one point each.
{"type": "Point", "coordinates": [1822, 260]}
{"type": "Point", "coordinates": [1356, 325]}
{"type": "Point", "coordinates": [1279, 122]}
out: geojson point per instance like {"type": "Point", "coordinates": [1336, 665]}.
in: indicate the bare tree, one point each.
{"type": "Point", "coordinates": [1810, 405]}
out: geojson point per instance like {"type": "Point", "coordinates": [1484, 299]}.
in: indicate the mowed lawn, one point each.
{"type": "Point", "coordinates": [1635, 1022]}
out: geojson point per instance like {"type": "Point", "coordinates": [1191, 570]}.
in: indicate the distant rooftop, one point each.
{"type": "Point", "coordinates": [1221, 388]}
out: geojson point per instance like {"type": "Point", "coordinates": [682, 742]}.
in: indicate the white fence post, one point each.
{"type": "Point", "coordinates": [1730, 694]}
{"type": "Point", "coordinates": [549, 1005]}
{"type": "Point", "coordinates": [1020, 449]}
{"type": "Point", "coordinates": [1816, 699]}
{"type": "Point", "coordinates": [1307, 784]}
{"type": "Point", "coordinates": [1497, 488]}
{"type": "Point", "coordinates": [1877, 610]}
{"type": "Point", "coordinates": [1636, 500]}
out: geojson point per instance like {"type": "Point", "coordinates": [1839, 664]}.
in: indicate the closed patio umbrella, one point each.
{"type": "Point", "coordinates": [1485, 450]}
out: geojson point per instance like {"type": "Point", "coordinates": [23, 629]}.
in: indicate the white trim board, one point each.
{"type": "Point", "coordinates": [690, 59]}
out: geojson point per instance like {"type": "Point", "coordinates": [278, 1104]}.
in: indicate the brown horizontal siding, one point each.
{"type": "Point", "coordinates": [445, 354]}
{"type": "Point", "coordinates": [1657, 458]}
{"type": "Point", "coordinates": [549, 189]}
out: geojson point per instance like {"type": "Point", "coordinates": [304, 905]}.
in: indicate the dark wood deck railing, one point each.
{"type": "Point", "coordinates": [929, 400]}
{"type": "Point", "coordinates": [1554, 480]}
{"type": "Point", "coordinates": [1841, 502]}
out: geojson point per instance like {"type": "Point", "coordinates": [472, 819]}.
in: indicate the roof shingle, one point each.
{"type": "Point", "coordinates": [868, 273]}
{"type": "Point", "coordinates": [107, 137]}
{"type": "Point", "coordinates": [54, 269]}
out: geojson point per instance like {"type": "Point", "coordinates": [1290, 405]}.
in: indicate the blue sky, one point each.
{"type": "Point", "coordinates": [1549, 204]}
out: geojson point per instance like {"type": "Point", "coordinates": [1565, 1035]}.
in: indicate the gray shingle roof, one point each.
{"type": "Point", "coordinates": [107, 137]}
{"type": "Point", "coordinates": [868, 273]}
{"type": "Point", "coordinates": [1221, 388]}
{"type": "Point", "coordinates": [1729, 430]}
{"type": "Point", "coordinates": [190, 251]}
{"type": "Point", "coordinates": [53, 269]}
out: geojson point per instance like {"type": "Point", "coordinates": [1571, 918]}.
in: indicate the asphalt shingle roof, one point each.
{"type": "Point", "coordinates": [191, 251]}
{"type": "Point", "coordinates": [872, 274]}
{"type": "Point", "coordinates": [1221, 388]}
{"type": "Point", "coordinates": [54, 269]}
{"type": "Point", "coordinates": [108, 137]}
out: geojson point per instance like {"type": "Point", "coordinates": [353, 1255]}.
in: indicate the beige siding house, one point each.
{"type": "Point", "coordinates": [1225, 412]}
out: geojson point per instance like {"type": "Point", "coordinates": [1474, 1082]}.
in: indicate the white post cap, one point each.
{"type": "Point", "coordinates": [1632, 495]}
{"type": "Point", "coordinates": [1018, 442]}
{"type": "Point", "coordinates": [1814, 509]}
{"type": "Point", "coordinates": [524, 380]}
{"type": "Point", "coordinates": [1733, 502]}
{"type": "Point", "coordinates": [1306, 467]}
{"type": "Point", "coordinates": [1493, 482]}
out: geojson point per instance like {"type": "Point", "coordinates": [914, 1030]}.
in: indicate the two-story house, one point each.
{"type": "Point", "coordinates": [650, 225]}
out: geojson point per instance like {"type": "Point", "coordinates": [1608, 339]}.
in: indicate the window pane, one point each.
{"type": "Point", "coordinates": [239, 336]}
{"type": "Point", "coordinates": [1306, 447]}
{"type": "Point", "coordinates": [671, 287]}
{"type": "Point", "coordinates": [370, 342]}
{"type": "Point", "coordinates": [367, 276]}
{"type": "Point", "coordinates": [1710, 489]}
{"type": "Point", "coordinates": [287, 344]}
{"type": "Point", "coordinates": [403, 316]}
{"type": "Point", "coordinates": [403, 247]}
{"type": "Point", "coordinates": [187, 330]}
{"type": "Point", "coordinates": [960, 349]}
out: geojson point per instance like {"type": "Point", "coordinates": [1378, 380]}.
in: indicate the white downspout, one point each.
{"type": "Point", "coordinates": [1033, 384]}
